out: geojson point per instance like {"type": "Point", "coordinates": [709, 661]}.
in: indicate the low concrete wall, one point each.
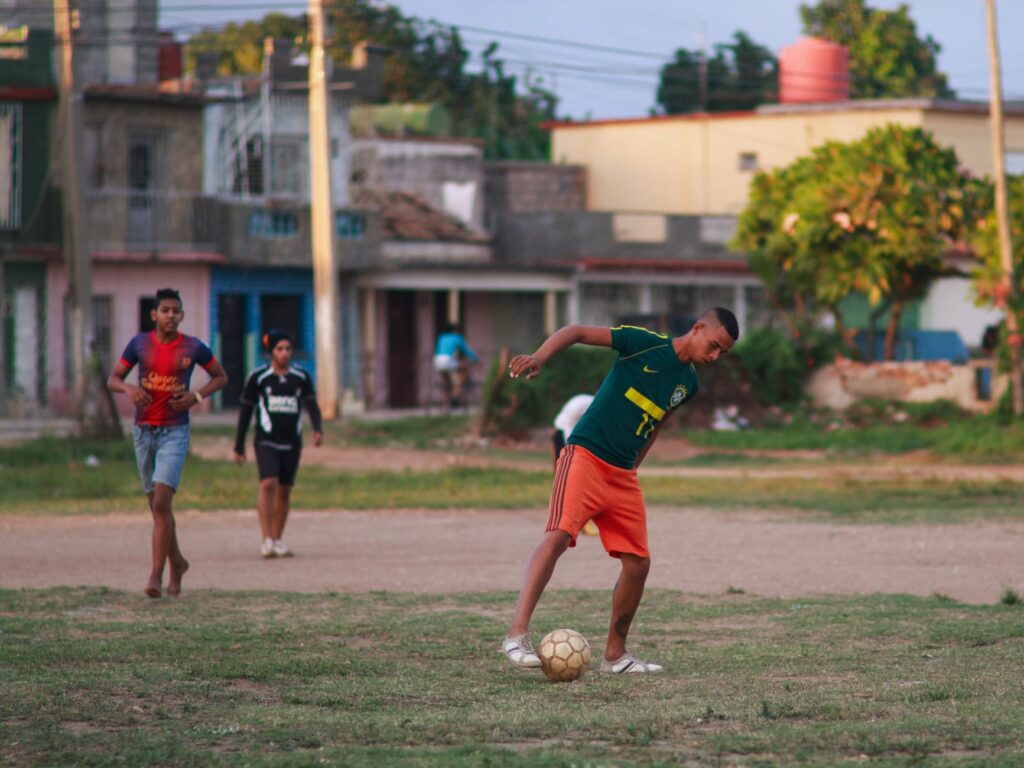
{"type": "Point", "coordinates": [845, 382]}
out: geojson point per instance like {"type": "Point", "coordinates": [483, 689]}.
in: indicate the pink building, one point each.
{"type": "Point", "coordinates": [123, 289]}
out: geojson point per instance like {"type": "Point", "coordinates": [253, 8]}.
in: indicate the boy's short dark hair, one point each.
{"type": "Point", "coordinates": [728, 321]}
{"type": "Point", "coordinates": [168, 293]}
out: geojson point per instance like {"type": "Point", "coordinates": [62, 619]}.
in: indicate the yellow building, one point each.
{"type": "Point", "coordinates": [702, 164]}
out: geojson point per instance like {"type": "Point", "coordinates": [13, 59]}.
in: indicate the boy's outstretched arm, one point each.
{"type": "Point", "coordinates": [528, 366]}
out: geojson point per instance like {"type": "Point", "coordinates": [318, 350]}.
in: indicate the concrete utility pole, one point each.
{"type": "Point", "coordinates": [1002, 209]}
{"type": "Point", "coordinates": [75, 242]}
{"type": "Point", "coordinates": [325, 269]}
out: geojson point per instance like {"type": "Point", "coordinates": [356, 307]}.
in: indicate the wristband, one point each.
{"type": "Point", "coordinates": [199, 398]}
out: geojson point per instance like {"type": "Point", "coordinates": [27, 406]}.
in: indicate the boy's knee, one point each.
{"type": "Point", "coordinates": [269, 484]}
{"type": "Point", "coordinates": [557, 541]}
{"type": "Point", "coordinates": [636, 566]}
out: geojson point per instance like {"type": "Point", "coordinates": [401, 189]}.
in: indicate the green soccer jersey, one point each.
{"type": "Point", "coordinates": [646, 382]}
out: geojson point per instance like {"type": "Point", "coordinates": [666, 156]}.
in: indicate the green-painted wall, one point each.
{"type": "Point", "coordinates": [27, 63]}
{"type": "Point", "coordinates": [856, 310]}
{"type": "Point", "coordinates": [40, 198]}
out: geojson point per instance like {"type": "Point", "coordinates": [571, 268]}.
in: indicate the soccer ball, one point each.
{"type": "Point", "coordinates": [564, 655]}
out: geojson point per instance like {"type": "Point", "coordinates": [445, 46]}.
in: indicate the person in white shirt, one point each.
{"type": "Point", "coordinates": [564, 424]}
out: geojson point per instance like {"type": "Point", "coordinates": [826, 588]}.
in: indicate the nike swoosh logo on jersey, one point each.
{"type": "Point", "coordinates": [648, 370]}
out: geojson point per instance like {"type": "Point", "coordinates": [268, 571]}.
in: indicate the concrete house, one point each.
{"type": "Point", "coordinates": [701, 165]}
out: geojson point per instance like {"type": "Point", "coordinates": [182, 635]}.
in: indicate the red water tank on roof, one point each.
{"type": "Point", "coordinates": [169, 57]}
{"type": "Point", "coordinates": [813, 70]}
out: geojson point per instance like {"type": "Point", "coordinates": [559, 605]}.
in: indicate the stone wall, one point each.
{"type": "Point", "coordinates": [845, 382]}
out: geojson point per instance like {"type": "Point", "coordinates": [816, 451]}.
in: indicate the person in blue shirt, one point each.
{"type": "Point", "coordinates": [452, 357]}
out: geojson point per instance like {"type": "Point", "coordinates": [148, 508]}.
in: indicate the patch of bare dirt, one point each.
{"type": "Point", "coordinates": [446, 551]}
{"type": "Point", "coordinates": [363, 459]}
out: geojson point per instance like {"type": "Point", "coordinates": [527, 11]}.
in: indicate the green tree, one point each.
{"type": "Point", "coordinates": [739, 76]}
{"type": "Point", "coordinates": [875, 215]}
{"type": "Point", "coordinates": [887, 58]}
{"type": "Point", "coordinates": [990, 285]}
{"type": "Point", "coordinates": [239, 47]}
{"type": "Point", "coordinates": [427, 64]}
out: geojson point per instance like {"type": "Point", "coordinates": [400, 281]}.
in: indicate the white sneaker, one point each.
{"type": "Point", "coordinates": [519, 650]}
{"type": "Point", "coordinates": [267, 549]}
{"type": "Point", "coordinates": [281, 549]}
{"type": "Point", "coordinates": [629, 664]}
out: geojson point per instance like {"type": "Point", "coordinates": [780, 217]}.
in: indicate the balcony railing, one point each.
{"type": "Point", "coordinates": [152, 220]}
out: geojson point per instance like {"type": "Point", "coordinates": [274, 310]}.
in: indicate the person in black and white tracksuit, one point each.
{"type": "Point", "coordinates": [277, 392]}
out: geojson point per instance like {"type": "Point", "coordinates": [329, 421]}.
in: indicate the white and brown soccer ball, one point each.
{"type": "Point", "coordinates": [564, 655]}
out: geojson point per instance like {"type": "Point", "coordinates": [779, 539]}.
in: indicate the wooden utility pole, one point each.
{"type": "Point", "coordinates": [325, 269]}
{"type": "Point", "coordinates": [1002, 209]}
{"type": "Point", "coordinates": [75, 240]}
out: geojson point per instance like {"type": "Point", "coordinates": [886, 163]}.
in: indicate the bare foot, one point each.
{"type": "Point", "coordinates": [174, 578]}
{"type": "Point", "coordinates": [153, 588]}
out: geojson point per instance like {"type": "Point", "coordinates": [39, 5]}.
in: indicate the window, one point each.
{"type": "Point", "coordinates": [288, 168]}
{"type": "Point", "coordinates": [273, 224]}
{"type": "Point", "coordinates": [283, 312]}
{"type": "Point", "coordinates": [759, 312]}
{"type": "Point", "coordinates": [146, 305]}
{"type": "Point", "coordinates": [350, 226]}
{"type": "Point", "coordinates": [748, 161]}
{"type": "Point", "coordinates": [604, 303]}
{"type": "Point", "coordinates": [10, 165]}
{"type": "Point", "coordinates": [1015, 162]}
{"type": "Point", "coordinates": [248, 168]}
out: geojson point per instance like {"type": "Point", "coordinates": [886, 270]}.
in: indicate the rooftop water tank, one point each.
{"type": "Point", "coordinates": [813, 70]}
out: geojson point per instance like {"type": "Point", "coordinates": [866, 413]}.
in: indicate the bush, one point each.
{"type": "Point", "coordinates": [777, 364]}
{"type": "Point", "coordinates": [513, 406]}
{"type": "Point", "coordinates": [771, 361]}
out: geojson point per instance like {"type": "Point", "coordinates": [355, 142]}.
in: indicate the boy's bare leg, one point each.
{"type": "Point", "coordinates": [629, 589]}
{"type": "Point", "coordinates": [446, 381]}
{"type": "Point", "coordinates": [164, 539]}
{"type": "Point", "coordinates": [282, 505]}
{"type": "Point", "coordinates": [178, 563]}
{"type": "Point", "coordinates": [538, 574]}
{"type": "Point", "coordinates": [459, 381]}
{"type": "Point", "coordinates": [265, 506]}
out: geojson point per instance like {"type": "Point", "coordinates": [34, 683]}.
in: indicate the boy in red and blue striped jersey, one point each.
{"type": "Point", "coordinates": [162, 401]}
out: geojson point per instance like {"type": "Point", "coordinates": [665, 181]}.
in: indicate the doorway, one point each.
{"type": "Point", "coordinates": [402, 362]}
{"type": "Point", "coordinates": [231, 320]}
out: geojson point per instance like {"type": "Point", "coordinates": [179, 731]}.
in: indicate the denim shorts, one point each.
{"type": "Point", "coordinates": [160, 454]}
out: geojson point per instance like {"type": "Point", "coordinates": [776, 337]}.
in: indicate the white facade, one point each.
{"type": "Point", "coordinates": [950, 307]}
{"type": "Point", "coordinates": [237, 128]}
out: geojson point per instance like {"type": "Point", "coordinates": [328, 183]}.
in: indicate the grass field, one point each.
{"type": "Point", "coordinates": [53, 476]}
{"type": "Point", "coordinates": [966, 438]}
{"type": "Point", "coordinates": [103, 678]}
{"type": "Point", "coordinates": [96, 677]}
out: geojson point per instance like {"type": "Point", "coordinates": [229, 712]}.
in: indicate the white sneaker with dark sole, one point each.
{"type": "Point", "coordinates": [629, 664]}
{"type": "Point", "coordinates": [519, 650]}
{"type": "Point", "coordinates": [281, 549]}
{"type": "Point", "coordinates": [267, 549]}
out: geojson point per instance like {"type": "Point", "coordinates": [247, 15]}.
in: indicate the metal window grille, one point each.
{"type": "Point", "coordinates": [10, 165]}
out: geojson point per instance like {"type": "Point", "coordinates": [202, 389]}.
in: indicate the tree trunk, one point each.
{"type": "Point", "coordinates": [847, 335]}
{"type": "Point", "coordinates": [890, 332]}
{"type": "Point", "coordinates": [873, 328]}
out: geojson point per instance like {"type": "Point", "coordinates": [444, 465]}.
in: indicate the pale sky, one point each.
{"type": "Point", "coordinates": [605, 84]}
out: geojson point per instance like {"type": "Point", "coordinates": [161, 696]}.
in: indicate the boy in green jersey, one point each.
{"type": "Point", "coordinates": [596, 476]}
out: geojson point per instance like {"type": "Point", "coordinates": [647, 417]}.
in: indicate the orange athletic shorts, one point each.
{"type": "Point", "coordinates": [587, 488]}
